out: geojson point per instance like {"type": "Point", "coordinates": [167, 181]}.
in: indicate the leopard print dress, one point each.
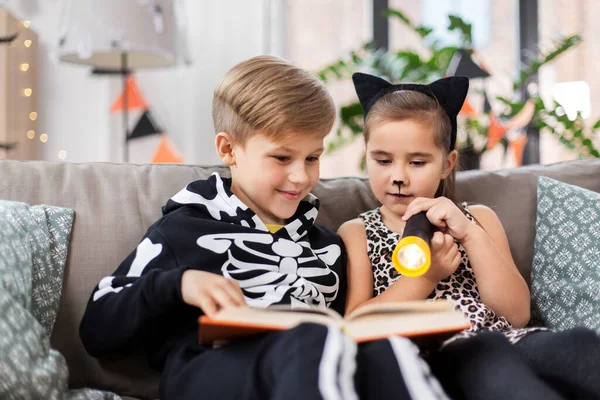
{"type": "Point", "coordinates": [461, 286]}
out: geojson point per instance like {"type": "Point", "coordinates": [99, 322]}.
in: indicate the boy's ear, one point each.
{"type": "Point", "coordinates": [449, 163]}
{"type": "Point", "coordinates": [224, 145]}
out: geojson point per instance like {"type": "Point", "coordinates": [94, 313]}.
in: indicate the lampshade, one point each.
{"type": "Point", "coordinates": [98, 32]}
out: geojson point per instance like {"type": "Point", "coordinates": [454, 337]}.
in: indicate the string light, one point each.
{"type": "Point", "coordinates": [28, 91]}
{"type": "Point", "coordinates": [44, 137]}
{"type": "Point", "coordinates": [62, 154]}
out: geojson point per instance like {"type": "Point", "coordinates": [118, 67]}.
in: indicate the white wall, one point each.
{"type": "Point", "coordinates": [74, 105]}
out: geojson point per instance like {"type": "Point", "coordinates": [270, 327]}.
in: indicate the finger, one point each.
{"type": "Point", "coordinates": [454, 251]}
{"type": "Point", "coordinates": [449, 242]}
{"type": "Point", "coordinates": [235, 292]}
{"type": "Point", "coordinates": [437, 240]}
{"type": "Point", "coordinates": [221, 297]}
{"type": "Point", "coordinates": [417, 205]}
{"type": "Point", "coordinates": [207, 305]}
{"type": "Point", "coordinates": [437, 216]}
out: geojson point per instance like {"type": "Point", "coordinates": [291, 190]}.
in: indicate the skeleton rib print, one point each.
{"type": "Point", "coordinates": [288, 267]}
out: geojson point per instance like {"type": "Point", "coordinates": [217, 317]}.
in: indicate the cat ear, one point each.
{"type": "Point", "coordinates": [451, 93]}
{"type": "Point", "coordinates": [368, 88]}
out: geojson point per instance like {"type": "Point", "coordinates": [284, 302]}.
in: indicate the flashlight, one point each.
{"type": "Point", "coordinates": [412, 255]}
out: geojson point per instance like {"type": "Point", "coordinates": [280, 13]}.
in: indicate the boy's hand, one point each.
{"type": "Point", "coordinates": [210, 292]}
{"type": "Point", "coordinates": [445, 257]}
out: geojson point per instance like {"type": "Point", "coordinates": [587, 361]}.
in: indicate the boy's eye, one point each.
{"type": "Point", "coordinates": [312, 159]}
{"type": "Point", "coordinates": [383, 161]}
{"type": "Point", "coordinates": [418, 163]}
{"type": "Point", "coordinates": [281, 158]}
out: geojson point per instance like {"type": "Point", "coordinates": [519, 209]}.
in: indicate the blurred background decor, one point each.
{"type": "Point", "coordinates": [72, 122]}
{"type": "Point", "coordinates": [116, 37]}
{"type": "Point", "coordinates": [484, 123]}
{"type": "Point", "coordinates": [19, 90]}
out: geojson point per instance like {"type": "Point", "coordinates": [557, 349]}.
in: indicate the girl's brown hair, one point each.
{"type": "Point", "coordinates": [407, 104]}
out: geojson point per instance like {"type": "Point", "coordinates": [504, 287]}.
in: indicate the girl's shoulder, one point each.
{"type": "Point", "coordinates": [351, 227]}
{"type": "Point", "coordinates": [477, 210]}
{"type": "Point", "coordinates": [483, 216]}
{"type": "Point", "coordinates": [353, 232]}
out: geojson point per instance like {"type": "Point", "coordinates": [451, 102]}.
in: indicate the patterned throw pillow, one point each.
{"type": "Point", "coordinates": [33, 251]}
{"type": "Point", "coordinates": [37, 238]}
{"type": "Point", "coordinates": [49, 256]}
{"type": "Point", "coordinates": [565, 277]}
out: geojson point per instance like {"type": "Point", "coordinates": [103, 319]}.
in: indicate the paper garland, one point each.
{"type": "Point", "coordinates": [135, 100]}
{"type": "Point", "coordinates": [165, 153]}
{"type": "Point", "coordinates": [146, 125]}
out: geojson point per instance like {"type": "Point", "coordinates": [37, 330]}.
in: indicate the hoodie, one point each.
{"type": "Point", "coordinates": [206, 227]}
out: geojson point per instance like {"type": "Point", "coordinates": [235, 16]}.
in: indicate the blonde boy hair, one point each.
{"type": "Point", "coordinates": [269, 95]}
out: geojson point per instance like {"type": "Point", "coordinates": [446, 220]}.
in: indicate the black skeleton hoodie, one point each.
{"type": "Point", "coordinates": [206, 227]}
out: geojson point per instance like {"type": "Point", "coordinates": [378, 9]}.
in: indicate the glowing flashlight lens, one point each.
{"type": "Point", "coordinates": [412, 256]}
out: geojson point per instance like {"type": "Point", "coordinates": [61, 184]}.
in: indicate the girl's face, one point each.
{"type": "Point", "coordinates": [405, 151]}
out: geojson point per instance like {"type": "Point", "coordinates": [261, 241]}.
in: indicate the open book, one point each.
{"type": "Point", "coordinates": [367, 323]}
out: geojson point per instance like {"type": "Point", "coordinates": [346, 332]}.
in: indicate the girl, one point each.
{"type": "Point", "coordinates": [410, 135]}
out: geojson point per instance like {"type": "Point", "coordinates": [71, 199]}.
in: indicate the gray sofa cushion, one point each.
{"type": "Point", "coordinates": [512, 194]}
{"type": "Point", "coordinates": [115, 203]}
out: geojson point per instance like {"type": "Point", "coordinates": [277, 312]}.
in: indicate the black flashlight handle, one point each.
{"type": "Point", "coordinates": [418, 225]}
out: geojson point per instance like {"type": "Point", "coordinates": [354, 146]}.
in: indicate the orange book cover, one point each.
{"type": "Point", "coordinates": [371, 322]}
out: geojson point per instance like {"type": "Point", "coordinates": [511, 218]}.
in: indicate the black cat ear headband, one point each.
{"type": "Point", "coordinates": [450, 93]}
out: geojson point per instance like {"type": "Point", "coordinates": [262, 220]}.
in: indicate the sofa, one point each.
{"type": "Point", "coordinates": [115, 203]}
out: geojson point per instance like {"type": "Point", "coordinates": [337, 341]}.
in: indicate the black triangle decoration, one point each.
{"type": "Point", "coordinates": [463, 65]}
{"type": "Point", "coordinates": [145, 127]}
{"type": "Point", "coordinates": [487, 107]}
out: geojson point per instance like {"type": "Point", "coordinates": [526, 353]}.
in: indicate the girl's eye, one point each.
{"type": "Point", "coordinates": [281, 158]}
{"type": "Point", "coordinates": [312, 159]}
{"type": "Point", "coordinates": [418, 163]}
{"type": "Point", "coordinates": [383, 161]}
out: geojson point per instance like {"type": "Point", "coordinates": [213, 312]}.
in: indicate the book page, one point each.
{"type": "Point", "coordinates": [404, 307]}
{"type": "Point", "coordinates": [280, 316]}
{"type": "Point", "coordinates": [378, 326]}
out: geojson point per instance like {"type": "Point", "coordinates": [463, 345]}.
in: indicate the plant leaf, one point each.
{"type": "Point", "coordinates": [457, 23]}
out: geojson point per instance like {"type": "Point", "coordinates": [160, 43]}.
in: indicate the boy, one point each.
{"type": "Point", "coordinates": [248, 240]}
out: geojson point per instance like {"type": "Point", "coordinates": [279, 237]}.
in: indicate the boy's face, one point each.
{"type": "Point", "coordinates": [404, 151]}
{"type": "Point", "coordinates": [272, 177]}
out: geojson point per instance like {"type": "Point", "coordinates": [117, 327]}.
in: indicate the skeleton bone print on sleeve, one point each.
{"type": "Point", "coordinates": [269, 269]}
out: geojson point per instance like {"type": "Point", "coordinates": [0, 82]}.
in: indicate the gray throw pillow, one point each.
{"type": "Point", "coordinates": [565, 277]}
{"type": "Point", "coordinates": [33, 250]}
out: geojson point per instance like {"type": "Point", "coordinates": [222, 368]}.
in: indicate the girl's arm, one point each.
{"type": "Point", "coordinates": [501, 286]}
{"type": "Point", "coordinates": [360, 273]}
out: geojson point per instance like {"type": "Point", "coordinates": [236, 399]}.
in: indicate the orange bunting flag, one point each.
{"type": "Point", "coordinates": [518, 147]}
{"type": "Point", "coordinates": [135, 100]}
{"type": "Point", "coordinates": [496, 131]}
{"type": "Point", "coordinates": [165, 153]}
{"type": "Point", "coordinates": [467, 109]}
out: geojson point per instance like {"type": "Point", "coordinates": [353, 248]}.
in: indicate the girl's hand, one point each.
{"type": "Point", "coordinates": [445, 257]}
{"type": "Point", "coordinates": [442, 213]}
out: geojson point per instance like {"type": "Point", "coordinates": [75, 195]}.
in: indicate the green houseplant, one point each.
{"type": "Point", "coordinates": [406, 65]}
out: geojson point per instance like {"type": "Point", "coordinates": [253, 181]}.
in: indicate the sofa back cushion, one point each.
{"type": "Point", "coordinates": [115, 203]}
